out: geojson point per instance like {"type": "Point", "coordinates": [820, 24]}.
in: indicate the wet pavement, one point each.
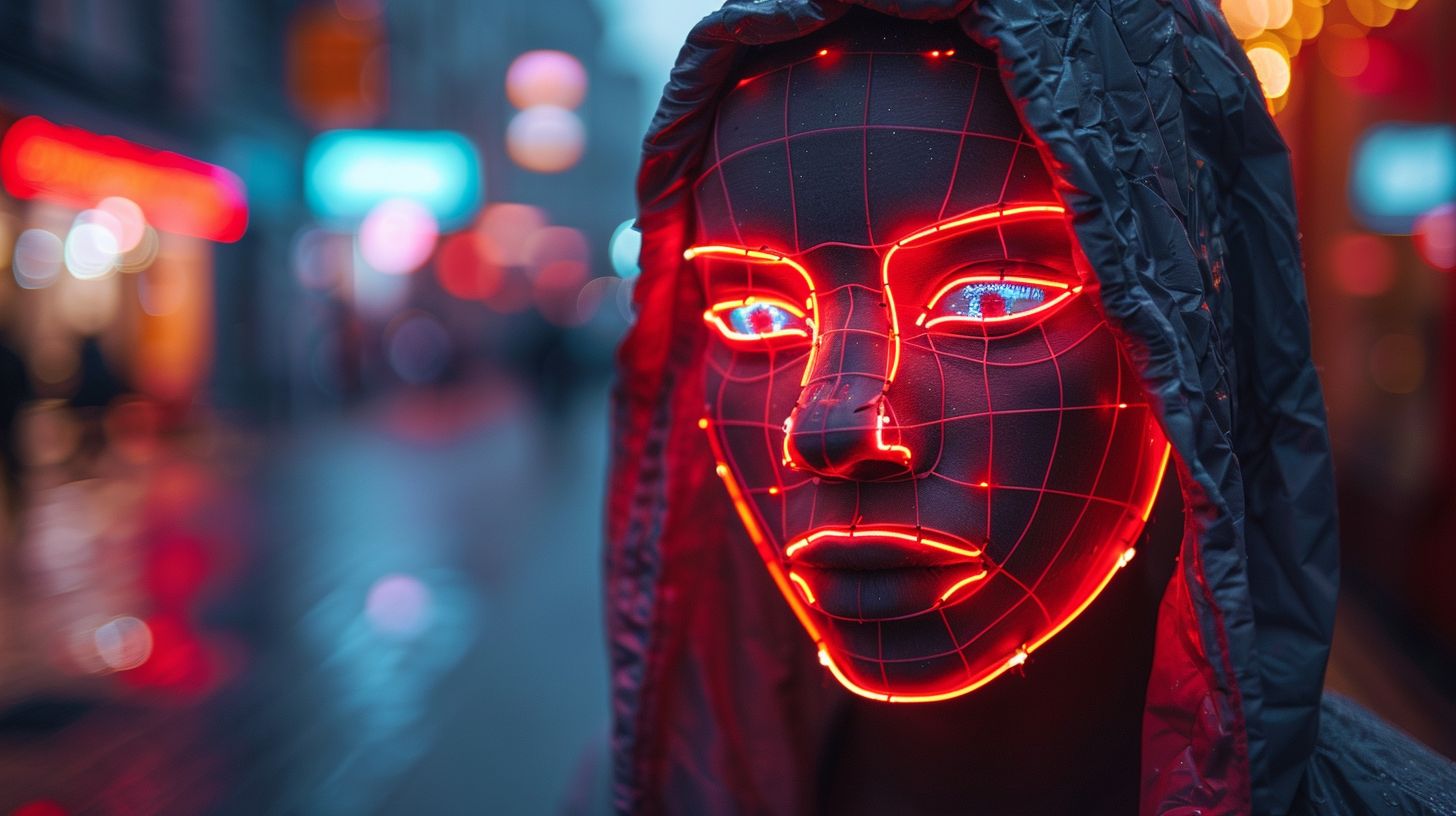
{"type": "Point", "coordinates": [398, 612]}
{"type": "Point", "coordinates": [395, 610]}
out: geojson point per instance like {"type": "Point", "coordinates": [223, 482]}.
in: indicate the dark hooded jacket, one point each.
{"type": "Point", "coordinates": [1179, 187]}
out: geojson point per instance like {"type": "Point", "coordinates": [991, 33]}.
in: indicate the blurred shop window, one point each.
{"type": "Point", "coordinates": [337, 67]}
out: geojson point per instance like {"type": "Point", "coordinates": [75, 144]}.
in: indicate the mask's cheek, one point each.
{"type": "Point", "coordinates": [747, 396]}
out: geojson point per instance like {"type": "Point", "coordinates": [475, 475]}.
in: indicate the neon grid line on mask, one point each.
{"type": "Point", "coordinates": [749, 499]}
{"type": "Point", "coordinates": [934, 232]}
{"type": "Point", "coordinates": [784, 579]}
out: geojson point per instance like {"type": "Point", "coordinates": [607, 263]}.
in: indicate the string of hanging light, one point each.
{"type": "Point", "coordinates": [1274, 31]}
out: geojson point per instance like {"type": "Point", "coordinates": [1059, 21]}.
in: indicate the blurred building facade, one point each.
{"type": "Point", "coordinates": [149, 380]}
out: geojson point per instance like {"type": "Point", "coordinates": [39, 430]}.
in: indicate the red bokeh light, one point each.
{"type": "Point", "coordinates": [1435, 237]}
{"type": "Point", "coordinates": [177, 567]}
{"type": "Point", "coordinates": [180, 661]}
{"type": "Point", "coordinates": [464, 271]}
{"type": "Point", "coordinates": [1363, 264]}
{"type": "Point", "coordinates": [40, 807]}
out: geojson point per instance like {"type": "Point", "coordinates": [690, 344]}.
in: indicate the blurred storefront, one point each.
{"type": "Point", "coordinates": [112, 262]}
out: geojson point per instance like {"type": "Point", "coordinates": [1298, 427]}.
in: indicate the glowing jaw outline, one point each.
{"type": "Point", "coordinates": [792, 587]}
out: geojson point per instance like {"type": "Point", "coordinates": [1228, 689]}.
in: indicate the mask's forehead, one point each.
{"type": "Point", "coordinates": [863, 146]}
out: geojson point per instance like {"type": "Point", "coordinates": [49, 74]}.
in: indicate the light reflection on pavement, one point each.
{"type": "Point", "coordinates": [414, 624]}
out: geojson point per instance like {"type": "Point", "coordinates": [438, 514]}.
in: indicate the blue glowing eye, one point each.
{"type": "Point", "coordinates": [758, 319]}
{"type": "Point", "coordinates": [994, 299]}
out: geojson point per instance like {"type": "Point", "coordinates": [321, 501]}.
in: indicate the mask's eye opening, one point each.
{"type": "Point", "coordinates": [995, 299]}
{"type": "Point", "coordinates": [754, 319]}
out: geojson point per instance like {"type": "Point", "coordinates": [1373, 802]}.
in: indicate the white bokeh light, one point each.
{"type": "Point", "coordinates": [37, 261]}
{"type": "Point", "coordinates": [545, 138]}
{"type": "Point", "coordinates": [91, 248]}
{"type": "Point", "coordinates": [397, 236]}
{"type": "Point", "coordinates": [546, 78]}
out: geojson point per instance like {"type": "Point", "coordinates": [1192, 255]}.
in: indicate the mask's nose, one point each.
{"type": "Point", "coordinates": [840, 430]}
{"type": "Point", "coordinates": [842, 426]}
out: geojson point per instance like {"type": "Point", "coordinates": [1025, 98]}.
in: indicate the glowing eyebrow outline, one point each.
{"type": "Point", "coordinates": [945, 229]}
{"type": "Point", "coordinates": [765, 256]}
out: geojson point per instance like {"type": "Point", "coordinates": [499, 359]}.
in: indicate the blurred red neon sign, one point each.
{"type": "Point", "coordinates": [77, 168]}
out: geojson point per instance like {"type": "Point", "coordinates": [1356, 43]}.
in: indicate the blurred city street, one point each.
{"type": "Point", "coordinates": [308, 313]}
{"type": "Point", "coordinates": [412, 593]}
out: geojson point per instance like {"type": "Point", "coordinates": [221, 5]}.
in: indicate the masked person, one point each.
{"type": "Point", "coordinates": [937, 299]}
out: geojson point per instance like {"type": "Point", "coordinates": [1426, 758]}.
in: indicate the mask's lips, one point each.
{"type": "Point", "coordinates": [884, 573]}
{"type": "Point", "coordinates": [880, 548]}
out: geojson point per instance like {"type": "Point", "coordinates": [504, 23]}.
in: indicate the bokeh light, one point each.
{"type": "Point", "coordinates": [130, 223]}
{"type": "Point", "coordinates": [545, 139]}
{"type": "Point", "coordinates": [513, 295]}
{"type": "Point", "coordinates": [1363, 264]}
{"type": "Point", "coordinates": [1246, 18]}
{"type": "Point", "coordinates": [462, 269]}
{"type": "Point", "coordinates": [1435, 236]}
{"type": "Point", "coordinates": [506, 230]}
{"type": "Point", "coordinates": [123, 643]}
{"type": "Point", "coordinates": [143, 254]}
{"type": "Point", "coordinates": [1401, 170]}
{"type": "Point", "coordinates": [1272, 68]}
{"type": "Point", "coordinates": [546, 78]}
{"type": "Point", "coordinates": [347, 173]}
{"type": "Point", "coordinates": [399, 605]}
{"type": "Point", "coordinates": [557, 287]}
{"type": "Point", "coordinates": [1344, 50]}
{"type": "Point", "coordinates": [549, 245]}
{"type": "Point", "coordinates": [397, 236]}
{"type": "Point", "coordinates": [1385, 69]}
{"type": "Point", "coordinates": [91, 250]}
{"type": "Point", "coordinates": [625, 248]}
{"type": "Point", "coordinates": [180, 661]}
{"type": "Point", "coordinates": [1372, 13]}
{"type": "Point", "coordinates": [38, 258]}
{"type": "Point", "coordinates": [596, 293]}
{"type": "Point", "coordinates": [1273, 32]}
{"type": "Point", "coordinates": [1307, 21]}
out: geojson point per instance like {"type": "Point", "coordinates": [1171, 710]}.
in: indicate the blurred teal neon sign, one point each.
{"type": "Point", "coordinates": [347, 172]}
{"type": "Point", "coordinates": [1400, 171]}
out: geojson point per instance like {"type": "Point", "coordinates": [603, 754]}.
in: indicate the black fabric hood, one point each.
{"type": "Point", "coordinates": [1179, 190]}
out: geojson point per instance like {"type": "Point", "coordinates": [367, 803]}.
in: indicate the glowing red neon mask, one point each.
{"type": "Point", "coordinates": [925, 422]}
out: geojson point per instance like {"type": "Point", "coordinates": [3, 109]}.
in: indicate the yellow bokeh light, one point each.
{"type": "Point", "coordinates": [1277, 104]}
{"type": "Point", "coordinates": [1372, 13]}
{"type": "Point", "coordinates": [1309, 19]}
{"type": "Point", "coordinates": [1246, 18]}
{"type": "Point", "coordinates": [1272, 68]}
{"type": "Point", "coordinates": [1279, 13]}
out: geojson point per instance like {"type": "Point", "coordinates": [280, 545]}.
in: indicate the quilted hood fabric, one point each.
{"type": "Point", "coordinates": [1179, 190]}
